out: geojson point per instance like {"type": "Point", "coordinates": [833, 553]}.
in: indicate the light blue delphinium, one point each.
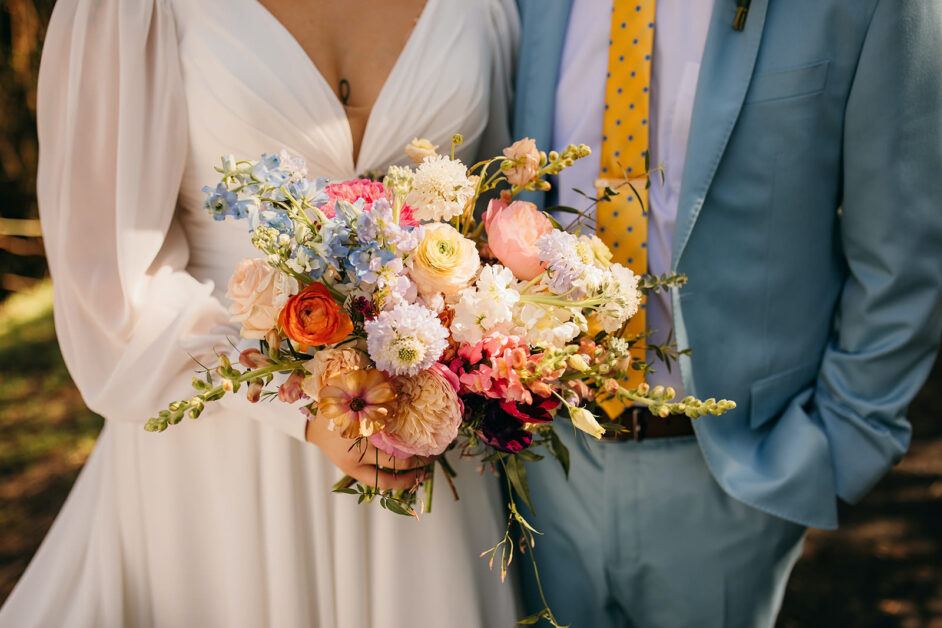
{"type": "Point", "coordinates": [220, 202]}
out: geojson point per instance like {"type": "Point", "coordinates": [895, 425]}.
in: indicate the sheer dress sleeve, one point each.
{"type": "Point", "coordinates": [113, 140]}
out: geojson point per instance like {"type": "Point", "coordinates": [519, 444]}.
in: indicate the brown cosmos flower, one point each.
{"type": "Point", "coordinates": [358, 402]}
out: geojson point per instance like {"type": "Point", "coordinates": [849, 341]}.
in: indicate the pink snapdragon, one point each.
{"type": "Point", "coordinates": [492, 368]}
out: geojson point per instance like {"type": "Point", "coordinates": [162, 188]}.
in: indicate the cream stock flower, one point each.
{"type": "Point", "coordinates": [445, 261]}
{"type": "Point", "coordinates": [258, 293]}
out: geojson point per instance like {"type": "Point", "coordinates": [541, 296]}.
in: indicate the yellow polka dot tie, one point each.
{"type": "Point", "coordinates": [622, 223]}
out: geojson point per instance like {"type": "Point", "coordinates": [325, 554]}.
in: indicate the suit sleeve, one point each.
{"type": "Point", "coordinates": [889, 316]}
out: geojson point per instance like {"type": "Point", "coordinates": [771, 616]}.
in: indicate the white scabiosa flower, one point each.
{"type": "Point", "coordinates": [440, 190]}
{"type": "Point", "coordinates": [405, 340]}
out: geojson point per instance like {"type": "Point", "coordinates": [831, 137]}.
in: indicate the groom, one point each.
{"type": "Point", "coordinates": [800, 143]}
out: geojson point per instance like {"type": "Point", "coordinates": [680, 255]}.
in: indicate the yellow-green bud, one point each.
{"type": "Point", "coordinates": [578, 362]}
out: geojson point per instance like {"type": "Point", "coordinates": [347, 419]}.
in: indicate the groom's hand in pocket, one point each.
{"type": "Point", "coordinates": [363, 461]}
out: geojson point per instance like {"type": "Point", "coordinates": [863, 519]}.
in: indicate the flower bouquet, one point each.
{"type": "Point", "coordinates": [405, 321]}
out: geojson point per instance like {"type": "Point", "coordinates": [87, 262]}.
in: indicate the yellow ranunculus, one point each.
{"type": "Point", "coordinates": [445, 261]}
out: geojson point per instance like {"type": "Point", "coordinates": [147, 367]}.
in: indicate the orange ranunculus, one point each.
{"type": "Point", "coordinates": [312, 317]}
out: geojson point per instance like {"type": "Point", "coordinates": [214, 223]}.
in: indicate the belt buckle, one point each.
{"type": "Point", "coordinates": [639, 423]}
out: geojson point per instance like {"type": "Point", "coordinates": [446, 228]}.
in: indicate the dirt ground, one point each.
{"type": "Point", "coordinates": [882, 568]}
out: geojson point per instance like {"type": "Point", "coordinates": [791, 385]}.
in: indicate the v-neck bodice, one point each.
{"type": "Point", "coordinates": [251, 88]}
{"type": "Point", "coordinates": [353, 123]}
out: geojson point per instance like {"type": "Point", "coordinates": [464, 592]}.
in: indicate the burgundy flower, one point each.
{"type": "Point", "coordinates": [541, 410]}
{"type": "Point", "coordinates": [502, 430]}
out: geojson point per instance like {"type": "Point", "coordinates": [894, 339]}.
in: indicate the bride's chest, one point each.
{"type": "Point", "coordinates": [240, 52]}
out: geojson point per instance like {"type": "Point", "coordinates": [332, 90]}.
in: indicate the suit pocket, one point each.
{"type": "Point", "coordinates": [806, 80]}
{"type": "Point", "coordinates": [770, 395]}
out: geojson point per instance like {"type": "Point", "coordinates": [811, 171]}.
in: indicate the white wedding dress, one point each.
{"type": "Point", "coordinates": [229, 521]}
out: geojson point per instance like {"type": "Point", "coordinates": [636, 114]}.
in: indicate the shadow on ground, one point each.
{"type": "Point", "coordinates": [883, 568]}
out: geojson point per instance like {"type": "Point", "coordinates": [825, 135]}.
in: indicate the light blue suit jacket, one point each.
{"type": "Point", "coordinates": [810, 227]}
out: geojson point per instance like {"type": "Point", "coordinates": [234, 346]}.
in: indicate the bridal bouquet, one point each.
{"type": "Point", "coordinates": [405, 321]}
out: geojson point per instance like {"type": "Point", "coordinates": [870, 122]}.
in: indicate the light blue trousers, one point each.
{"type": "Point", "coordinates": [641, 535]}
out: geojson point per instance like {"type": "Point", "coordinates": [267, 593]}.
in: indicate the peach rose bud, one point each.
{"type": "Point", "coordinates": [526, 160]}
{"type": "Point", "coordinates": [418, 149]}
{"type": "Point", "coordinates": [512, 232]}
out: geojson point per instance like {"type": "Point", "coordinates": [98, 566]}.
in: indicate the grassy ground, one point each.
{"type": "Point", "coordinates": [883, 568]}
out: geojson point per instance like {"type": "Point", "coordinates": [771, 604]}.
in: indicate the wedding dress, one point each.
{"type": "Point", "coordinates": [229, 520]}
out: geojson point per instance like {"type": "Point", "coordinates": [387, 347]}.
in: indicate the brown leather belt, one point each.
{"type": "Point", "coordinates": [641, 424]}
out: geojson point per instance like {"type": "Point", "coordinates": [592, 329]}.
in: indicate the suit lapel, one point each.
{"type": "Point", "coordinates": [729, 58]}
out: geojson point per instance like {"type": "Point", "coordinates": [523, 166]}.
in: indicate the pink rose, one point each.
{"type": "Point", "coordinates": [526, 159]}
{"type": "Point", "coordinates": [512, 232]}
{"type": "Point", "coordinates": [258, 293]}
{"type": "Point", "coordinates": [428, 415]}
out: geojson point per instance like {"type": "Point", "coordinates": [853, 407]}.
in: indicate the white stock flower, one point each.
{"type": "Point", "coordinates": [571, 263]}
{"type": "Point", "coordinates": [441, 189]}
{"type": "Point", "coordinates": [622, 298]}
{"type": "Point", "coordinates": [405, 340]}
{"type": "Point", "coordinates": [487, 306]}
{"type": "Point", "coordinates": [546, 326]}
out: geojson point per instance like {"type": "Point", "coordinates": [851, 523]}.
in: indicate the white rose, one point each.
{"type": "Point", "coordinates": [258, 293]}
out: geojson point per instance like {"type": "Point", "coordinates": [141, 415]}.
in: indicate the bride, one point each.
{"type": "Point", "coordinates": [229, 520]}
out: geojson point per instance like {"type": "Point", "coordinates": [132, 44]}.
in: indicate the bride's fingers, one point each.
{"type": "Point", "coordinates": [370, 455]}
{"type": "Point", "coordinates": [400, 480]}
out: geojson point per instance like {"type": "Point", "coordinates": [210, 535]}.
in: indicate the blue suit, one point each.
{"type": "Point", "coordinates": [810, 227]}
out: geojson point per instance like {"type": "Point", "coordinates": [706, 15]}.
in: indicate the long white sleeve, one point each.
{"type": "Point", "coordinates": [113, 141]}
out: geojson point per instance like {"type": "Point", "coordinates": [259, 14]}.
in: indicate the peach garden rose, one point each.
{"type": "Point", "coordinates": [327, 363]}
{"type": "Point", "coordinates": [526, 158]}
{"type": "Point", "coordinates": [428, 415]}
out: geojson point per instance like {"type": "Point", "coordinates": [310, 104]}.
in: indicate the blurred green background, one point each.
{"type": "Point", "coordinates": [882, 568]}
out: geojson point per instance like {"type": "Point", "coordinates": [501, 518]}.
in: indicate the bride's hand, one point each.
{"type": "Point", "coordinates": [363, 461]}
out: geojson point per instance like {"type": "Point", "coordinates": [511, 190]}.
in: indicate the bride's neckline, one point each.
{"type": "Point", "coordinates": [338, 107]}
